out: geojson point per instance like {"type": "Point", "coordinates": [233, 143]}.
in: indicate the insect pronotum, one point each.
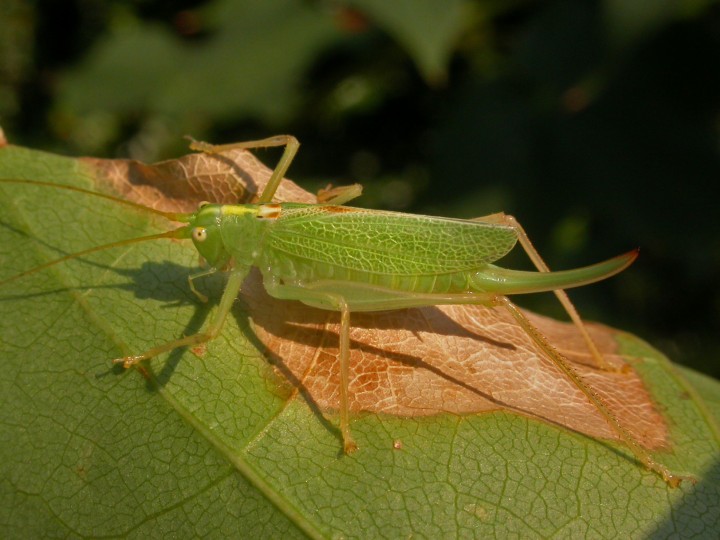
{"type": "Point", "coordinates": [348, 260]}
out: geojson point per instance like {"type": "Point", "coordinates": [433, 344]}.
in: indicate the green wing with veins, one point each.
{"type": "Point", "coordinates": [390, 243]}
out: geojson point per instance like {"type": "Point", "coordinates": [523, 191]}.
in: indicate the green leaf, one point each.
{"type": "Point", "coordinates": [631, 22]}
{"type": "Point", "coordinates": [224, 446]}
{"type": "Point", "coordinates": [428, 30]}
{"type": "Point", "coordinates": [251, 64]}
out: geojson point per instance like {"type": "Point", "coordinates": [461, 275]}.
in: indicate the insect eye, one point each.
{"type": "Point", "coordinates": [199, 234]}
{"type": "Point", "coordinates": [203, 204]}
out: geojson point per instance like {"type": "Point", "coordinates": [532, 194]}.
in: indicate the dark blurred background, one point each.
{"type": "Point", "coordinates": [596, 123]}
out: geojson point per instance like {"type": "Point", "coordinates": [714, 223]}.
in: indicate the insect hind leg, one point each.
{"type": "Point", "coordinates": [562, 296]}
{"type": "Point", "coordinates": [561, 363]}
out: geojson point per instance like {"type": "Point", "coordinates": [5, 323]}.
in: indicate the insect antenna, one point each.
{"type": "Point", "coordinates": [179, 233]}
{"type": "Point", "coordinates": [182, 232]}
{"type": "Point", "coordinates": [172, 216]}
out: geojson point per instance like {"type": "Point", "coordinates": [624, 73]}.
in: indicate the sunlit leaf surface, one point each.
{"type": "Point", "coordinates": [244, 440]}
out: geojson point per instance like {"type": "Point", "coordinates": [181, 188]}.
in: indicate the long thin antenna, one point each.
{"type": "Point", "coordinates": [172, 216]}
{"type": "Point", "coordinates": [182, 232]}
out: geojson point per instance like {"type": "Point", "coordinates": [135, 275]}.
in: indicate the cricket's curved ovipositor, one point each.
{"type": "Point", "coordinates": [346, 259]}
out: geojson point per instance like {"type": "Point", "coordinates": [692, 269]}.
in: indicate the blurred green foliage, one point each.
{"type": "Point", "coordinates": [596, 123]}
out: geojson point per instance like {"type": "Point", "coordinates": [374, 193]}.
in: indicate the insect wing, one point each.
{"type": "Point", "coordinates": [387, 242]}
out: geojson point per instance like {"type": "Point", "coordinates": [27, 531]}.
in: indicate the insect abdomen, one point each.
{"type": "Point", "coordinates": [293, 269]}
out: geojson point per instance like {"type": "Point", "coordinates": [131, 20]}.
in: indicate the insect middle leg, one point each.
{"type": "Point", "coordinates": [339, 195]}
{"type": "Point", "coordinates": [335, 302]}
{"type": "Point", "coordinates": [562, 296]}
{"type": "Point", "coordinates": [362, 297]}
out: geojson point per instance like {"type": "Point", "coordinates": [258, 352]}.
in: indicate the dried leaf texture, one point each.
{"type": "Point", "coordinates": [413, 362]}
{"type": "Point", "coordinates": [452, 359]}
{"type": "Point", "coordinates": [179, 185]}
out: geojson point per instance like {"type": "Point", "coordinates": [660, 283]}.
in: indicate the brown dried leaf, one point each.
{"type": "Point", "coordinates": [413, 362]}
{"type": "Point", "coordinates": [452, 359]}
{"type": "Point", "coordinates": [179, 185]}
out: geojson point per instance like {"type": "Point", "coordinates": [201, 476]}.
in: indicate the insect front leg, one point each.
{"type": "Point", "coordinates": [290, 143]}
{"type": "Point", "coordinates": [193, 277]}
{"type": "Point", "coordinates": [335, 302]}
{"type": "Point", "coordinates": [510, 221]}
{"type": "Point", "coordinates": [213, 330]}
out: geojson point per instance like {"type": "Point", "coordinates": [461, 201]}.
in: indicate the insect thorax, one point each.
{"type": "Point", "coordinates": [242, 228]}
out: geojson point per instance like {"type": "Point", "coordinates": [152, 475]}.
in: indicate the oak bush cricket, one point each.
{"type": "Point", "coordinates": [347, 260]}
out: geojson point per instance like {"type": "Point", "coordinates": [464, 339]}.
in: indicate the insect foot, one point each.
{"type": "Point", "coordinates": [129, 361]}
{"type": "Point", "coordinates": [350, 447]}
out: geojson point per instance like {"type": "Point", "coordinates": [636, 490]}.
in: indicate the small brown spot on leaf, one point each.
{"type": "Point", "coordinates": [199, 350]}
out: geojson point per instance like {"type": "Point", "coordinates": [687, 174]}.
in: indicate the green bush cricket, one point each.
{"type": "Point", "coordinates": [345, 259]}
